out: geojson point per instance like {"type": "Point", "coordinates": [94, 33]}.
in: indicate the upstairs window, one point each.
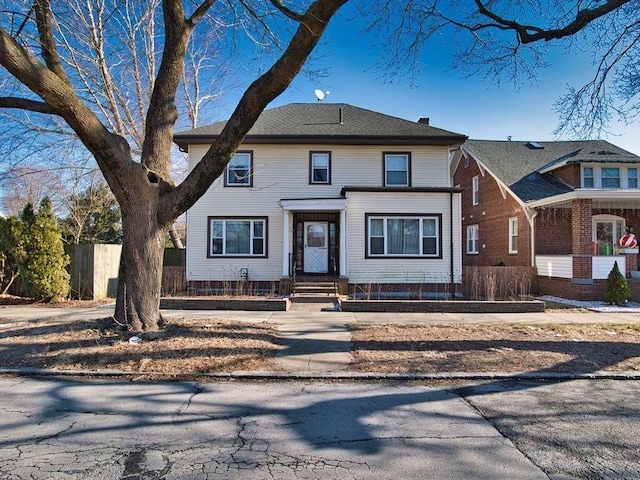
{"type": "Point", "coordinates": [632, 178]}
{"type": "Point", "coordinates": [513, 235]}
{"type": "Point", "coordinates": [320, 167]}
{"type": "Point", "coordinates": [239, 170]}
{"type": "Point", "coordinates": [587, 178]}
{"type": "Point", "coordinates": [475, 189]}
{"type": "Point", "coordinates": [397, 170]}
{"type": "Point", "coordinates": [472, 239]}
{"type": "Point", "coordinates": [610, 177]}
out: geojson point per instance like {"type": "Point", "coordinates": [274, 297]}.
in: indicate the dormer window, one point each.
{"type": "Point", "coordinates": [610, 176]}
{"type": "Point", "coordinates": [632, 177]}
{"type": "Point", "coordinates": [587, 177]}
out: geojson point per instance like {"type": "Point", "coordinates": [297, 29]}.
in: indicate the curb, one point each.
{"type": "Point", "coordinates": [355, 377]}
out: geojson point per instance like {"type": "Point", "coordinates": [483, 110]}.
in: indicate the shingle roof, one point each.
{"type": "Point", "coordinates": [522, 165]}
{"type": "Point", "coordinates": [337, 123]}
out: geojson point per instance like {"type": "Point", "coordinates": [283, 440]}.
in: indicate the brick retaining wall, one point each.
{"type": "Point", "coordinates": [407, 306]}
{"type": "Point", "coordinates": [248, 304]}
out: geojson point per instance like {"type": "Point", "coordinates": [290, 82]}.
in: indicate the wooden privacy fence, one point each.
{"type": "Point", "coordinates": [93, 270]}
{"type": "Point", "coordinates": [499, 283]}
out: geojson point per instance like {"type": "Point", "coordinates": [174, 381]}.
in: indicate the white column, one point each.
{"type": "Point", "coordinates": [343, 243]}
{"type": "Point", "coordinates": [286, 239]}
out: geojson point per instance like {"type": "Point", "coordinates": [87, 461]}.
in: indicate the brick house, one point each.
{"type": "Point", "coordinates": [559, 206]}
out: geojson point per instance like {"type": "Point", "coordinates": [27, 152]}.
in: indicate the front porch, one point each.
{"type": "Point", "coordinates": [584, 277]}
{"type": "Point", "coordinates": [577, 241]}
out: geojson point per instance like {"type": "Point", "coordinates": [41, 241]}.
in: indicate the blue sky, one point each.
{"type": "Point", "coordinates": [466, 106]}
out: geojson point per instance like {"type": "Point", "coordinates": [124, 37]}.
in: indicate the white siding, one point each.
{"type": "Point", "coordinates": [282, 172]}
{"type": "Point", "coordinates": [394, 270]}
{"type": "Point", "coordinates": [601, 266]}
{"type": "Point", "coordinates": [560, 266]}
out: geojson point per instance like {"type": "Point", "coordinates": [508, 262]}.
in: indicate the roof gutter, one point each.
{"type": "Point", "coordinates": [183, 141]}
{"type": "Point", "coordinates": [584, 194]}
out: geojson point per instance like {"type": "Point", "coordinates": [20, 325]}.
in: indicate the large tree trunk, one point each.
{"type": "Point", "coordinates": [140, 278]}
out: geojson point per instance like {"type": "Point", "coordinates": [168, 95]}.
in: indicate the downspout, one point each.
{"type": "Point", "coordinates": [451, 263]}
{"type": "Point", "coordinates": [532, 223]}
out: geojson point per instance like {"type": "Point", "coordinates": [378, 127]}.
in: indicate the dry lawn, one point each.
{"type": "Point", "coordinates": [497, 348]}
{"type": "Point", "coordinates": [188, 347]}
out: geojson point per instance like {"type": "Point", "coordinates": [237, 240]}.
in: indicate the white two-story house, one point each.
{"type": "Point", "coordinates": [328, 190]}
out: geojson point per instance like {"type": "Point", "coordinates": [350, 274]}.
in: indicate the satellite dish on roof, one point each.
{"type": "Point", "coordinates": [320, 94]}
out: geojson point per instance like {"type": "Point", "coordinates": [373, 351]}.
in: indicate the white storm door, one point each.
{"type": "Point", "coordinates": [316, 252]}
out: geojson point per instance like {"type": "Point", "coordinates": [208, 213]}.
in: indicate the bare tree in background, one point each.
{"type": "Point", "coordinates": [503, 40]}
{"type": "Point", "coordinates": [111, 52]}
{"type": "Point", "coordinates": [37, 48]}
{"type": "Point", "coordinates": [24, 185]}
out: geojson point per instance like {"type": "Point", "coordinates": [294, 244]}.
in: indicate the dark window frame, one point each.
{"type": "Point", "coordinates": [384, 169]}
{"type": "Point", "coordinates": [311, 169]}
{"type": "Point", "coordinates": [228, 170]}
{"type": "Point", "coordinates": [421, 217]}
{"type": "Point", "coordinates": [265, 236]}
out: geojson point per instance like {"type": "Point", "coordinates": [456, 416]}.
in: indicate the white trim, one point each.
{"type": "Point", "coordinates": [476, 229]}
{"type": "Point", "coordinates": [513, 233]}
{"type": "Point", "coordinates": [307, 204]}
{"type": "Point", "coordinates": [314, 204]}
{"type": "Point", "coordinates": [527, 208]}
{"type": "Point", "coordinates": [343, 244]}
{"type": "Point", "coordinates": [586, 194]}
{"type": "Point", "coordinates": [286, 239]}
{"type": "Point", "coordinates": [475, 190]}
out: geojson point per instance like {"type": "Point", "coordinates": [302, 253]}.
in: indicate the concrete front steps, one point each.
{"type": "Point", "coordinates": [314, 292]}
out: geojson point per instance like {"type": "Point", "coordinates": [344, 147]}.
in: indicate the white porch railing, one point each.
{"type": "Point", "coordinates": [561, 266]}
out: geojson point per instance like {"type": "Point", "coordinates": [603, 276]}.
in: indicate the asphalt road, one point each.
{"type": "Point", "coordinates": [61, 429]}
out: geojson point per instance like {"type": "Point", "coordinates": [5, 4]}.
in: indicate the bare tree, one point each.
{"type": "Point", "coordinates": [35, 50]}
{"type": "Point", "coordinates": [504, 40]}
{"type": "Point", "coordinates": [93, 216]}
{"type": "Point", "coordinates": [24, 185]}
{"type": "Point", "coordinates": [110, 51]}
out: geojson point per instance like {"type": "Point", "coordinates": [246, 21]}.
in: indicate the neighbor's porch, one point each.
{"type": "Point", "coordinates": [578, 242]}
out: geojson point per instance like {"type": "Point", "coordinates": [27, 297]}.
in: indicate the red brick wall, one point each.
{"type": "Point", "coordinates": [553, 232]}
{"type": "Point", "coordinates": [569, 174]}
{"type": "Point", "coordinates": [492, 217]}
{"type": "Point", "coordinates": [563, 287]}
{"type": "Point", "coordinates": [553, 228]}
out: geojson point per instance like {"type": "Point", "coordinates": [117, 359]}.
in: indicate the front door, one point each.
{"type": "Point", "coordinates": [316, 251]}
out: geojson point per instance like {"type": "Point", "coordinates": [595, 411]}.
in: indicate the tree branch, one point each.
{"type": "Point", "coordinates": [25, 104]}
{"type": "Point", "coordinates": [47, 39]}
{"type": "Point", "coordinates": [62, 99]}
{"type": "Point", "coordinates": [162, 113]}
{"type": "Point", "coordinates": [531, 33]}
{"type": "Point", "coordinates": [286, 11]}
{"type": "Point", "coordinates": [253, 102]}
